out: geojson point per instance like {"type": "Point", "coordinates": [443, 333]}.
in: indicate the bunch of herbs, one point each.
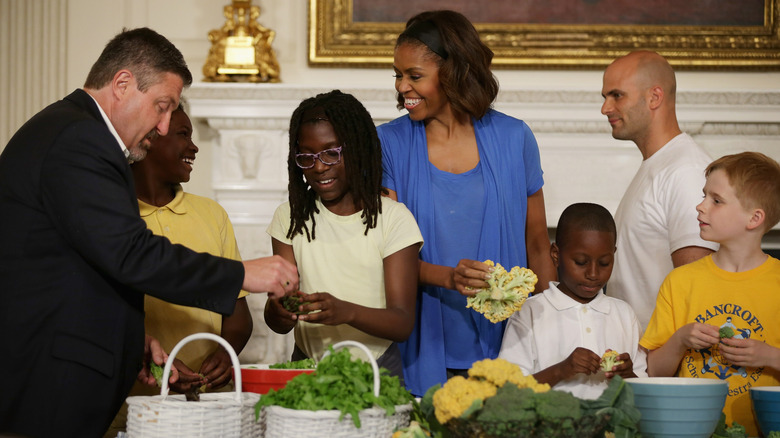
{"type": "Point", "coordinates": [339, 383]}
{"type": "Point", "coordinates": [303, 364]}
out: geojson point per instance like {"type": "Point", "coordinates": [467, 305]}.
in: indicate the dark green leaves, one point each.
{"type": "Point", "coordinates": [294, 365]}
{"type": "Point", "coordinates": [292, 304]}
{"type": "Point", "coordinates": [617, 402]}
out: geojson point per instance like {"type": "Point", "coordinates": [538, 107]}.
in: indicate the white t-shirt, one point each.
{"type": "Point", "coordinates": [657, 216]}
{"type": "Point", "coordinates": [346, 263]}
{"type": "Point", "coordinates": [550, 326]}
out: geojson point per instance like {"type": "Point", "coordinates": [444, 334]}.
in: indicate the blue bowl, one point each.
{"type": "Point", "coordinates": [766, 405]}
{"type": "Point", "coordinates": [678, 406]}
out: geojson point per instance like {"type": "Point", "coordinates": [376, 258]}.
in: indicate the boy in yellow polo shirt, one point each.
{"type": "Point", "coordinates": [202, 225]}
{"type": "Point", "coordinates": [716, 317]}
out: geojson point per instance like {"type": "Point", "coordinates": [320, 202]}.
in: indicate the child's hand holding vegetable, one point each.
{"type": "Point", "coordinates": [697, 335]}
{"type": "Point", "coordinates": [217, 369]}
{"type": "Point", "coordinates": [324, 308]}
{"type": "Point", "coordinates": [281, 314]}
{"type": "Point", "coordinates": [749, 353]}
{"type": "Point", "coordinates": [580, 361]}
{"type": "Point", "coordinates": [292, 303]}
{"type": "Point", "coordinates": [154, 353]}
{"type": "Point", "coordinates": [187, 378]}
{"type": "Point", "coordinates": [617, 365]}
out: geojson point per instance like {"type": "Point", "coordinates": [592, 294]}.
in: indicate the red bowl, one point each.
{"type": "Point", "coordinates": [260, 379]}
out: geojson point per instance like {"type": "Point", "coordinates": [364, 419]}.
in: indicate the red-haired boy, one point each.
{"type": "Point", "coordinates": [735, 291]}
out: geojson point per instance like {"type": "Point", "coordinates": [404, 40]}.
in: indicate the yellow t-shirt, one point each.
{"type": "Point", "coordinates": [348, 264]}
{"type": "Point", "coordinates": [748, 302]}
{"type": "Point", "coordinates": [202, 225]}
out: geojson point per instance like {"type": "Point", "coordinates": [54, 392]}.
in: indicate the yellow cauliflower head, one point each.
{"type": "Point", "coordinates": [457, 395]}
{"type": "Point", "coordinates": [609, 359]}
{"type": "Point", "coordinates": [485, 377]}
{"type": "Point", "coordinates": [500, 371]}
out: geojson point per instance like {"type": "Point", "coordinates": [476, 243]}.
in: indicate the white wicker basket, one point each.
{"type": "Point", "coordinates": [216, 415]}
{"type": "Point", "coordinates": [283, 422]}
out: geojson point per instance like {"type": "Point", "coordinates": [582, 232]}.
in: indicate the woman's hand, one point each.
{"type": "Point", "coordinates": [469, 276]}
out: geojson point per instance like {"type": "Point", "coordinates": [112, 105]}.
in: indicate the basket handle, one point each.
{"type": "Point", "coordinates": [370, 356]}
{"type": "Point", "coordinates": [193, 337]}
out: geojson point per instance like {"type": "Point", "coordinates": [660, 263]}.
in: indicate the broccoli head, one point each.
{"type": "Point", "coordinates": [736, 430]}
{"type": "Point", "coordinates": [559, 413]}
{"type": "Point", "coordinates": [509, 404]}
{"type": "Point", "coordinates": [557, 405]}
{"type": "Point", "coordinates": [506, 294]}
{"type": "Point", "coordinates": [509, 413]}
{"type": "Point", "coordinates": [726, 332]}
{"type": "Point", "coordinates": [609, 360]}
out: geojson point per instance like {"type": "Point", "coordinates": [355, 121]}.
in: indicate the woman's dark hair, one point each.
{"type": "Point", "coordinates": [361, 155]}
{"type": "Point", "coordinates": [144, 52]}
{"type": "Point", "coordinates": [464, 72]}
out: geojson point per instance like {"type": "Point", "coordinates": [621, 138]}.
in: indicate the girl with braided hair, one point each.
{"type": "Point", "coordinates": [356, 250]}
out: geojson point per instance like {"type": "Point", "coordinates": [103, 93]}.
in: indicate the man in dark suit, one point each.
{"type": "Point", "coordinates": [75, 256]}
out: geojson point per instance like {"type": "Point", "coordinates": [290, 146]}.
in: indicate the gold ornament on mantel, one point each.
{"type": "Point", "coordinates": [241, 50]}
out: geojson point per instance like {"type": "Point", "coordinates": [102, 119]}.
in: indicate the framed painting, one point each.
{"type": "Point", "coordinates": [562, 34]}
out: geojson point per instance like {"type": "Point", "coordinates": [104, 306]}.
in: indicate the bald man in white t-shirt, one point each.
{"type": "Point", "coordinates": [656, 219]}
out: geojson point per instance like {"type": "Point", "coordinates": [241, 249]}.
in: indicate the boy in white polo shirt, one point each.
{"type": "Point", "coordinates": [559, 336]}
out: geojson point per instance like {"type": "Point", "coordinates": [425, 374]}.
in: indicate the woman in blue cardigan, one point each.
{"type": "Point", "coordinates": [473, 180]}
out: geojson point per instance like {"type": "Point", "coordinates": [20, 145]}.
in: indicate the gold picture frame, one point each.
{"type": "Point", "coordinates": [336, 40]}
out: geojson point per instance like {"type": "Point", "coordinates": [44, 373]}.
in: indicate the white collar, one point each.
{"type": "Point", "coordinates": [561, 301]}
{"type": "Point", "coordinates": [111, 128]}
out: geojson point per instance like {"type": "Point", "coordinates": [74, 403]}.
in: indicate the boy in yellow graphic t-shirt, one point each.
{"type": "Point", "coordinates": [716, 318]}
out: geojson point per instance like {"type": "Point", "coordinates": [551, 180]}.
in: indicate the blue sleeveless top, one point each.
{"type": "Point", "coordinates": [459, 211]}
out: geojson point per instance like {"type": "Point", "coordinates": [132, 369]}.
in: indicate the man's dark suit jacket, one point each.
{"type": "Point", "coordinates": [75, 261]}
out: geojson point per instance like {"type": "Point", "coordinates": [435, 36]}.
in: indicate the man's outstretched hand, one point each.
{"type": "Point", "coordinates": [273, 275]}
